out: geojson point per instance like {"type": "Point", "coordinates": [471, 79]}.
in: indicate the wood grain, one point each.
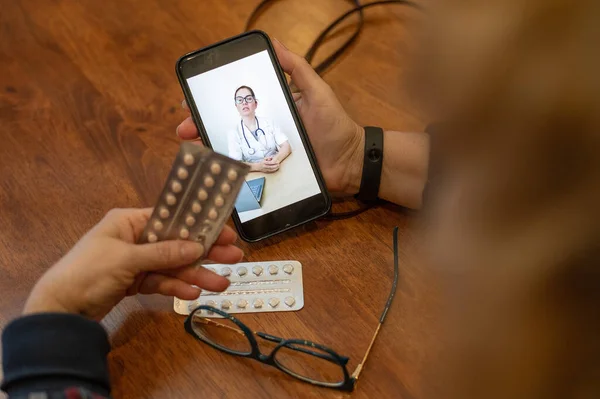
{"type": "Point", "coordinates": [89, 103]}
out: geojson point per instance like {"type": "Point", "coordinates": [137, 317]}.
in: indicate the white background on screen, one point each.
{"type": "Point", "coordinates": [213, 93]}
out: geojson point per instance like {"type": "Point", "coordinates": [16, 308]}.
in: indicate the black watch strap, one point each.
{"type": "Point", "coordinates": [373, 163]}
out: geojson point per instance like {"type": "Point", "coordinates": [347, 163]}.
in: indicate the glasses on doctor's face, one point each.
{"type": "Point", "coordinates": [249, 99]}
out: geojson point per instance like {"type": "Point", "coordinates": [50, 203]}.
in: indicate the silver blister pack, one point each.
{"type": "Point", "coordinates": [255, 287]}
{"type": "Point", "coordinates": [197, 198]}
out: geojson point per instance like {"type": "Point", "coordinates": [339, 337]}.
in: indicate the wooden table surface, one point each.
{"type": "Point", "coordinates": [89, 103]}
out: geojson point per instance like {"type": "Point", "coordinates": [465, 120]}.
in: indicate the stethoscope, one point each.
{"type": "Point", "coordinates": [251, 150]}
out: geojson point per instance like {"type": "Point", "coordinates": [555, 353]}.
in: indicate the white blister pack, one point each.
{"type": "Point", "coordinates": [256, 287]}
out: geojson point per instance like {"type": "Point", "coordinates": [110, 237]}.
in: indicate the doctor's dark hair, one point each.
{"type": "Point", "coordinates": [244, 87]}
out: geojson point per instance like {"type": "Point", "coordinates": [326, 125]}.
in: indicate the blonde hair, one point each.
{"type": "Point", "coordinates": [521, 93]}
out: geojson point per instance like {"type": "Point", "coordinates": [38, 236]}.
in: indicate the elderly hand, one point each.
{"type": "Point", "coordinates": [106, 265]}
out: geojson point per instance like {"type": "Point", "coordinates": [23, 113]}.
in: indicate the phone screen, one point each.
{"type": "Point", "coordinates": [246, 116]}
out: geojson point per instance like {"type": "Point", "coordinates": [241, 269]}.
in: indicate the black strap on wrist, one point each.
{"type": "Point", "coordinates": [373, 163]}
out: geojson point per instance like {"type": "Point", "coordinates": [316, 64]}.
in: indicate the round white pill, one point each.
{"type": "Point", "coordinates": [164, 213]}
{"type": "Point", "coordinates": [176, 187]}
{"type": "Point", "coordinates": [242, 303]}
{"type": "Point", "coordinates": [290, 301]}
{"type": "Point", "coordinates": [188, 159]}
{"type": "Point", "coordinates": [258, 303]}
{"type": "Point", "coordinates": [226, 272]}
{"type": "Point", "coordinates": [212, 214]}
{"type": "Point", "coordinates": [193, 305]}
{"type": "Point", "coordinates": [257, 270]}
{"type": "Point", "coordinates": [171, 200]}
{"type": "Point", "coordinates": [232, 174]}
{"type": "Point", "coordinates": [242, 271]}
{"type": "Point", "coordinates": [274, 302]}
{"type": "Point", "coordinates": [196, 208]}
{"type": "Point", "coordinates": [184, 233]}
{"type": "Point", "coordinates": [289, 269]}
{"type": "Point", "coordinates": [190, 220]}
{"type": "Point", "coordinates": [182, 173]}
{"type": "Point", "coordinates": [205, 228]}
{"type": "Point", "coordinates": [215, 168]}
{"type": "Point", "coordinates": [209, 181]}
{"type": "Point", "coordinates": [158, 225]}
{"type": "Point", "coordinates": [273, 269]}
{"type": "Point", "coordinates": [226, 304]}
{"type": "Point", "coordinates": [219, 201]}
{"type": "Point", "coordinates": [152, 237]}
{"type": "Point", "coordinates": [226, 188]}
{"type": "Point", "coordinates": [202, 194]}
{"type": "Point", "coordinates": [211, 303]}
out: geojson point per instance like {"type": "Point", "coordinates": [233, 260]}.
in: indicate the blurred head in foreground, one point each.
{"type": "Point", "coordinates": [518, 221]}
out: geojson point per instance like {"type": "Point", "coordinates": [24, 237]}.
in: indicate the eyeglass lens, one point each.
{"type": "Point", "coordinates": [224, 333]}
{"type": "Point", "coordinates": [302, 361]}
{"type": "Point", "coordinates": [248, 99]}
{"type": "Point", "coordinates": [309, 363]}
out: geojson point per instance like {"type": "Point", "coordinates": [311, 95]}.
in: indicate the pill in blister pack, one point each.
{"type": "Point", "coordinates": [255, 287]}
{"type": "Point", "coordinates": [198, 197]}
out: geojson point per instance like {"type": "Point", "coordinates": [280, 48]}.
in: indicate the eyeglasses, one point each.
{"type": "Point", "coordinates": [305, 360]}
{"type": "Point", "coordinates": [249, 99]}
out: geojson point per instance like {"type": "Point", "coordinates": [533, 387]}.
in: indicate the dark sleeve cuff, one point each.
{"type": "Point", "coordinates": [54, 351]}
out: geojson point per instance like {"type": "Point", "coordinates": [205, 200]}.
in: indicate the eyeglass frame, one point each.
{"type": "Point", "coordinates": [350, 381]}
{"type": "Point", "coordinates": [245, 99]}
{"type": "Point", "coordinates": [269, 359]}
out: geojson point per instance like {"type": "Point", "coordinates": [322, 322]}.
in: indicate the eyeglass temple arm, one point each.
{"type": "Point", "coordinates": [385, 309]}
{"type": "Point", "coordinates": [364, 360]}
{"type": "Point", "coordinates": [273, 338]}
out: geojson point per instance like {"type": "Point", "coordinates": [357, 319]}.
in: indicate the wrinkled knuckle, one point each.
{"type": "Point", "coordinates": [131, 254]}
{"type": "Point", "coordinates": [165, 252]}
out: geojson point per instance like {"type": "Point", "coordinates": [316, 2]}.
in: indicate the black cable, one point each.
{"type": "Point", "coordinates": [319, 40]}
{"type": "Point", "coordinates": [255, 13]}
{"type": "Point", "coordinates": [337, 53]}
{"type": "Point", "coordinates": [359, 8]}
{"type": "Point", "coordinates": [262, 6]}
{"type": "Point", "coordinates": [327, 62]}
{"type": "Point", "coordinates": [346, 215]}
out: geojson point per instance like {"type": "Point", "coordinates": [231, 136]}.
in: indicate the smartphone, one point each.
{"type": "Point", "coordinates": [243, 108]}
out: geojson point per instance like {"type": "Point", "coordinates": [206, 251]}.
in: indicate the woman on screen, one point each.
{"type": "Point", "coordinates": [257, 141]}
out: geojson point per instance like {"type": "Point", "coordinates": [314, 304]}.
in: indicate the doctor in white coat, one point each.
{"type": "Point", "coordinates": [256, 141]}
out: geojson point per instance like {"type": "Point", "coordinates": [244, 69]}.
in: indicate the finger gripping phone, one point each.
{"type": "Point", "coordinates": [242, 106]}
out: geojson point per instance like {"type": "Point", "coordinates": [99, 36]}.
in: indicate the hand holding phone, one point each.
{"type": "Point", "coordinates": [340, 152]}
{"type": "Point", "coordinates": [242, 106]}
